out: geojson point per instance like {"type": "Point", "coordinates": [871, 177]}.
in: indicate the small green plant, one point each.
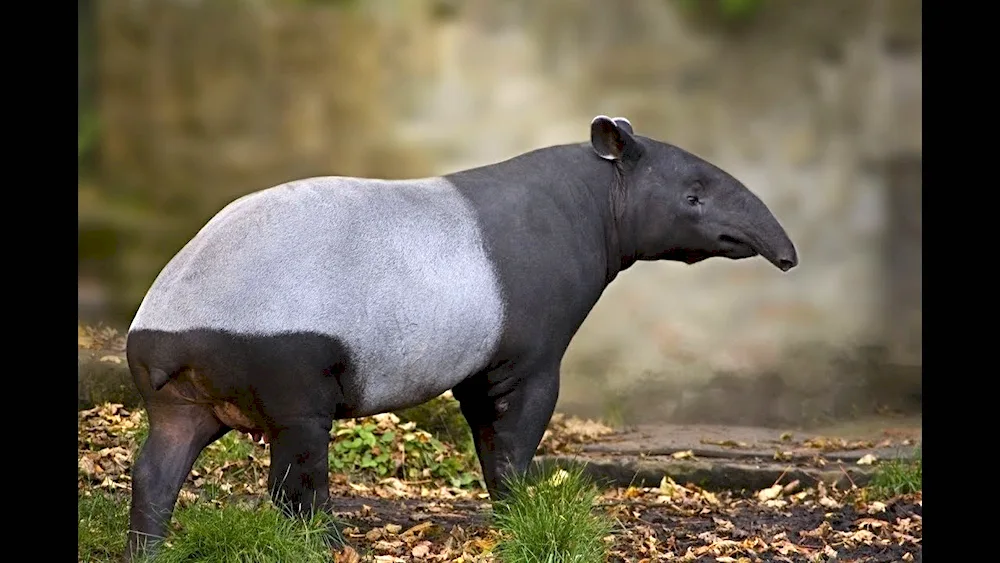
{"type": "Point", "coordinates": [897, 477]}
{"type": "Point", "coordinates": [103, 519]}
{"type": "Point", "coordinates": [549, 518]}
{"type": "Point", "coordinates": [442, 417]}
{"type": "Point", "coordinates": [241, 533]}
{"type": "Point", "coordinates": [234, 446]}
{"type": "Point", "coordinates": [380, 447]}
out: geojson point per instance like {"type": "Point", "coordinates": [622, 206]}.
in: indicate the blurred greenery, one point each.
{"type": "Point", "coordinates": [724, 11]}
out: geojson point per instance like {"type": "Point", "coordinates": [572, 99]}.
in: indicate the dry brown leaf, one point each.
{"type": "Point", "coordinates": [347, 555]}
{"type": "Point", "coordinates": [875, 507]}
{"type": "Point", "coordinates": [829, 502]}
{"type": "Point", "coordinates": [418, 528]}
{"type": "Point", "coordinates": [421, 549]}
{"type": "Point", "coordinates": [770, 493]}
{"type": "Point", "coordinates": [780, 455]}
{"type": "Point", "coordinates": [867, 459]}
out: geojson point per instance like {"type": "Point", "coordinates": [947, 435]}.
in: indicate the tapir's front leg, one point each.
{"type": "Point", "coordinates": [508, 413]}
{"type": "Point", "coordinates": [300, 476]}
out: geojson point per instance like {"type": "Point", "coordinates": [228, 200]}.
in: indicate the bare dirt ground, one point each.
{"type": "Point", "coordinates": [652, 529]}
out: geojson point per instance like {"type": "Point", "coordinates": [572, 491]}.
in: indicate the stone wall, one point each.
{"type": "Point", "coordinates": [815, 105]}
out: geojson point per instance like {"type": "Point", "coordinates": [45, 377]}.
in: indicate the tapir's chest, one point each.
{"type": "Point", "coordinates": [399, 275]}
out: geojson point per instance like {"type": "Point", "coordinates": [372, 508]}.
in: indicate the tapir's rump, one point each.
{"type": "Point", "coordinates": [396, 271]}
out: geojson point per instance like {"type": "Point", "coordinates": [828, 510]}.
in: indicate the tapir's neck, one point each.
{"type": "Point", "coordinates": [555, 205]}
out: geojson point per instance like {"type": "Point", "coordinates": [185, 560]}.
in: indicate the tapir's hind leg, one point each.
{"type": "Point", "coordinates": [508, 417]}
{"type": "Point", "coordinates": [177, 434]}
{"type": "Point", "coordinates": [299, 478]}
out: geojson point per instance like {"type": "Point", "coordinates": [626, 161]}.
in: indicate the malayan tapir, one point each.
{"type": "Point", "coordinates": [336, 297]}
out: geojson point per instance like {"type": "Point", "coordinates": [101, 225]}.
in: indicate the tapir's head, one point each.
{"type": "Point", "coordinates": [676, 206]}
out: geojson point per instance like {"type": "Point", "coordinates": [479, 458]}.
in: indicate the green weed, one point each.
{"type": "Point", "coordinates": [898, 477]}
{"type": "Point", "coordinates": [380, 447]}
{"type": "Point", "coordinates": [549, 518]}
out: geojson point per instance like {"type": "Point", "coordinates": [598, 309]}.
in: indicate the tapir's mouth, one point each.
{"type": "Point", "coordinates": [736, 248]}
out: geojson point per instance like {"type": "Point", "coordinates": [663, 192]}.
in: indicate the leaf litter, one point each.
{"type": "Point", "coordinates": [430, 519]}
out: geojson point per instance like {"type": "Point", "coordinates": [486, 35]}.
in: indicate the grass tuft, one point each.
{"type": "Point", "coordinates": [549, 518]}
{"type": "Point", "coordinates": [898, 477]}
{"type": "Point", "coordinates": [103, 519]}
{"type": "Point", "coordinates": [240, 533]}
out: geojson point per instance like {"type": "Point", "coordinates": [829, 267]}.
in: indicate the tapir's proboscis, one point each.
{"type": "Point", "coordinates": [337, 297]}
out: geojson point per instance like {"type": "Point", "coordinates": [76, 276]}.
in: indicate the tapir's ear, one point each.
{"type": "Point", "coordinates": [610, 140]}
{"type": "Point", "coordinates": [624, 124]}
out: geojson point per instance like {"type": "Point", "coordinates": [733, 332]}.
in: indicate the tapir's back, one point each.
{"type": "Point", "coordinates": [397, 270]}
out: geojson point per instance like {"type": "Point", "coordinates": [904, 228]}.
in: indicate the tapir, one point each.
{"type": "Point", "coordinates": [336, 297]}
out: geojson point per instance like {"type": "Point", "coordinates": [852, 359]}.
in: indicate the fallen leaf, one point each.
{"type": "Point", "coordinates": [867, 459]}
{"type": "Point", "coordinates": [421, 549]}
{"type": "Point", "coordinates": [829, 502]}
{"type": "Point", "coordinates": [786, 436]}
{"type": "Point", "coordinates": [686, 454]}
{"type": "Point", "coordinates": [770, 493]}
{"type": "Point", "coordinates": [393, 528]}
{"type": "Point", "coordinates": [418, 528]}
{"type": "Point", "coordinates": [907, 556]}
{"type": "Point", "coordinates": [111, 359]}
{"type": "Point", "coordinates": [347, 555]}
{"type": "Point", "coordinates": [875, 507]}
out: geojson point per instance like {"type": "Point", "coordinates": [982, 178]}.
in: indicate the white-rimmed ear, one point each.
{"type": "Point", "coordinates": [609, 139]}
{"type": "Point", "coordinates": [624, 123]}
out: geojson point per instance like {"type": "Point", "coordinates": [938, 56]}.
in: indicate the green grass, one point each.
{"type": "Point", "coordinates": [237, 533]}
{"type": "Point", "coordinates": [241, 533]}
{"type": "Point", "coordinates": [550, 518]}
{"type": "Point", "coordinates": [103, 519]}
{"type": "Point", "coordinates": [898, 477]}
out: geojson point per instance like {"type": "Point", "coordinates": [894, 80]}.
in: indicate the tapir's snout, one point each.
{"type": "Point", "coordinates": [778, 249]}
{"type": "Point", "coordinates": [764, 234]}
{"type": "Point", "coordinates": [786, 264]}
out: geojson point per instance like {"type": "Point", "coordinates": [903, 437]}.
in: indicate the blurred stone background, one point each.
{"type": "Point", "coordinates": [815, 105]}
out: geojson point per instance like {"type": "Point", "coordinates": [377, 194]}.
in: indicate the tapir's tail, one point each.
{"type": "Point", "coordinates": [158, 378]}
{"type": "Point", "coordinates": [150, 371]}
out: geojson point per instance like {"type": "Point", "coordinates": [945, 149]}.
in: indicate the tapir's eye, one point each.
{"type": "Point", "coordinates": [693, 200]}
